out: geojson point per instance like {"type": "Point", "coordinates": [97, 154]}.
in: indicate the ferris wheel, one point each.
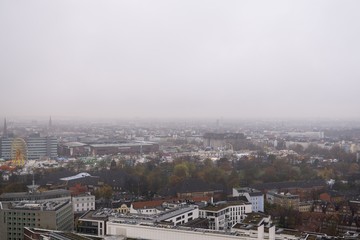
{"type": "Point", "coordinates": [18, 152]}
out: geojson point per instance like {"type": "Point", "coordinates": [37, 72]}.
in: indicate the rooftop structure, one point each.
{"type": "Point", "coordinates": [58, 194]}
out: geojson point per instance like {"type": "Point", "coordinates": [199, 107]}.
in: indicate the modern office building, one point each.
{"type": "Point", "coordinates": [39, 147]}
{"type": "Point", "coordinates": [41, 214]}
{"type": "Point", "coordinates": [36, 147]}
{"type": "Point", "coordinates": [223, 216]}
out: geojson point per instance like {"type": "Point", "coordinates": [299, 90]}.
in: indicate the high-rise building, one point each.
{"type": "Point", "coordinates": [37, 147]}
{"type": "Point", "coordinates": [40, 214]}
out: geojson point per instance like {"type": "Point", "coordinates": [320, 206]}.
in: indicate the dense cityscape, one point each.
{"type": "Point", "coordinates": [190, 120]}
{"type": "Point", "coordinates": [168, 179]}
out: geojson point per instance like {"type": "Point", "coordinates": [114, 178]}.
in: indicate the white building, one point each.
{"type": "Point", "coordinates": [255, 197]}
{"type": "Point", "coordinates": [83, 203]}
{"type": "Point", "coordinates": [224, 216]}
{"type": "Point", "coordinates": [163, 232]}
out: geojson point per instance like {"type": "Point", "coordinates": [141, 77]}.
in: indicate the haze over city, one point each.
{"type": "Point", "coordinates": [180, 59]}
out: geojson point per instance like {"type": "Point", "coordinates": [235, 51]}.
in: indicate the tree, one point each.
{"type": "Point", "coordinates": [105, 192]}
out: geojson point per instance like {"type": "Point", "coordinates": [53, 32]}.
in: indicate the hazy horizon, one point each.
{"type": "Point", "coordinates": [180, 59]}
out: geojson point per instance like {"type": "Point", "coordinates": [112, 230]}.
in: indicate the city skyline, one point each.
{"type": "Point", "coordinates": [184, 59]}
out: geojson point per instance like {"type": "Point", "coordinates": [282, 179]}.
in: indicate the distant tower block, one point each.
{"type": "Point", "coordinates": [49, 131]}
{"type": "Point", "coordinates": [50, 123]}
{"type": "Point", "coordinates": [18, 152]}
{"type": "Point", "coordinates": [5, 135]}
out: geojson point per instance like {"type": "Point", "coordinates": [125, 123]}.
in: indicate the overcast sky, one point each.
{"type": "Point", "coordinates": [188, 59]}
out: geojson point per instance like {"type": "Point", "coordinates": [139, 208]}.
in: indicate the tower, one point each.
{"type": "Point", "coordinates": [50, 123]}
{"type": "Point", "coordinates": [49, 131]}
{"type": "Point", "coordinates": [5, 135]}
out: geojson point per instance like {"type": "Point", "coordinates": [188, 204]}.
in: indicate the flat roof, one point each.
{"type": "Point", "coordinates": [100, 145]}
{"type": "Point", "coordinates": [35, 205]}
{"type": "Point", "coordinates": [5, 196]}
{"type": "Point", "coordinates": [74, 144]}
{"type": "Point", "coordinates": [218, 207]}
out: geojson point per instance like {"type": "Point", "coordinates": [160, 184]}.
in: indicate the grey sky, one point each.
{"type": "Point", "coordinates": [232, 59]}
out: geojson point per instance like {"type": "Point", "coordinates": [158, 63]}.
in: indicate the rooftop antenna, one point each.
{"type": "Point", "coordinates": [32, 188]}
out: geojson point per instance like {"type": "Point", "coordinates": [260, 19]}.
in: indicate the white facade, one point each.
{"type": "Point", "coordinates": [255, 197]}
{"type": "Point", "coordinates": [137, 231]}
{"type": "Point", "coordinates": [83, 203]}
{"type": "Point", "coordinates": [222, 217]}
{"type": "Point", "coordinates": [144, 211]}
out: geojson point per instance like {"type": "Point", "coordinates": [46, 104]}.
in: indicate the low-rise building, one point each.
{"type": "Point", "coordinates": [287, 200]}
{"type": "Point", "coordinates": [83, 203]}
{"type": "Point", "coordinates": [305, 206]}
{"type": "Point", "coordinates": [255, 197]}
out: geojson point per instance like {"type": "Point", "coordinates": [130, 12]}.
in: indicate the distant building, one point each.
{"type": "Point", "coordinates": [127, 148]}
{"type": "Point", "coordinates": [305, 189]}
{"type": "Point", "coordinates": [223, 140]}
{"type": "Point", "coordinates": [36, 147]}
{"type": "Point", "coordinates": [255, 197]}
{"type": "Point", "coordinates": [83, 203]}
{"type": "Point", "coordinates": [287, 200]}
{"type": "Point", "coordinates": [305, 206]}
{"type": "Point", "coordinates": [332, 196]}
{"type": "Point", "coordinates": [41, 214]}
{"type": "Point", "coordinates": [73, 149]}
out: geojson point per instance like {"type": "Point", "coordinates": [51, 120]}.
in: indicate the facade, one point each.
{"type": "Point", "coordinates": [73, 149]}
{"type": "Point", "coordinates": [285, 200]}
{"type": "Point", "coordinates": [40, 214]}
{"type": "Point", "coordinates": [94, 222]}
{"type": "Point", "coordinates": [305, 206]}
{"type": "Point", "coordinates": [255, 197]}
{"type": "Point", "coordinates": [116, 148]}
{"type": "Point", "coordinates": [223, 140]}
{"type": "Point", "coordinates": [163, 232]}
{"type": "Point", "coordinates": [83, 203]}
{"type": "Point", "coordinates": [224, 216]}
{"type": "Point", "coordinates": [37, 147]}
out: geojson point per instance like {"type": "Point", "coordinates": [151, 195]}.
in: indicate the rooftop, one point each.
{"type": "Point", "coordinates": [50, 193]}
{"type": "Point", "coordinates": [218, 207]}
{"type": "Point", "coordinates": [35, 205]}
{"type": "Point", "coordinates": [77, 176]}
